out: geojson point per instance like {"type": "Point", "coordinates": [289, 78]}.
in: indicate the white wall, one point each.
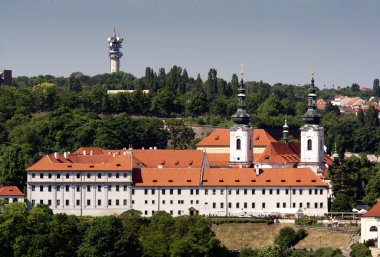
{"type": "Point", "coordinates": [366, 224]}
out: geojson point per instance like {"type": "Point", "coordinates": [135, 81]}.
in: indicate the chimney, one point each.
{"type": "Point", "coordinates": [66, 155]}
{"type": "Point", "coordinates": [257, 170]}
{"type": "Point", "coordinates": [150, 148]}
{"type": "Point", "coordinates": [84, 152]}
{"type": "Point", "coordinates": [91, 152]}
{"type": "Point", "coordinates": [155, 148]}
{"type": "Point", "coordinates": [56, 155]}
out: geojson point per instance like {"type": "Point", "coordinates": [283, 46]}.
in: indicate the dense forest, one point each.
{"type": "Point", "coordinates": [39, 232]}
{"type": "Point", "coordinates": [44, 114]}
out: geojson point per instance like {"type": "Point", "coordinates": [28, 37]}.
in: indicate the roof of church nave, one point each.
{"type": "Point", "coordinates": [221, 137]}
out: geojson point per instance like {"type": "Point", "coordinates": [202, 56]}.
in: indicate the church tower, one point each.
{"type": "Point", "coordinates": [241, 134]}
{"type": "Point", "coordinates": [312, 135]}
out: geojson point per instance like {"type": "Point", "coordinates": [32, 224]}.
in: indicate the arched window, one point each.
{"type": "Point", "coordinates": [309, 146]}
{"type": "Point", "coordinates": [238, 144]}
{"type": "Point", "coordinates": [373, 228]}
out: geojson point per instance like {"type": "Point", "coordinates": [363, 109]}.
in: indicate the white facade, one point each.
{"type": "Point", "coordinates": [312, 147]}
{"type": "Point", "coordinates": [370, 229]}
{"type": "Point", "coordinates": [115, 64]}
{"type": "Point", "coordinates": [241, 146]}
{"type": "Point", "coordinates": [81, 193]}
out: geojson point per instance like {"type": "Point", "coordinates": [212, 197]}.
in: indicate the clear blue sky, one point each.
{"type": "Point", "coordinates": [276, 40]}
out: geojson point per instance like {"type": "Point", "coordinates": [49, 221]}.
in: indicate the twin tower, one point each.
{"type": "Point", "coordinates": [312, 135]}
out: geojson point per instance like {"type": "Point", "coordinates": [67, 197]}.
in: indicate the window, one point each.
{"type": "Point", "coordinates": [237, 205]}
{"type": "Point", "coordinates": [78, 202]}
{"type": "Point", "coordinates": [315, 191]}
{"type": "Point", "coordinates": [99, 202]}
{"type": "Point", "coordinates": [214, 205]}
{"type": "Point", "coordinates": [117, 175]}
{"type": "Point", "coordinates": [78, 189]}
{"type": "Point", "coordinates": [237, 191]}
{"type": "Point", "coordinates": [163, 201]}
{"type": "Point", "coordinates": [133, 201]}
{"type": "Point", "coordinates": [320, 205]}
{"type": "Point", "coordinates": [125, 188]}
{"type": "Point", "coordinates": [307, 205]}
{"type": "Point", "coordinates": [109, 202]}
{"type": "Point", "coordinates": [163, 191]}
{"type": "Point", "coordinates": [373, 228]}
{"type": "Point", "coordinates": [229, 205]}
{"type": "Point", "coordinates": [181, 201]}
{"type": "Point", "coordinates": [321, 191]}
{"type": "Point", "coordinates": [263, 205]}
{"type": "Point", "coordinates": [117, 188]}
{"type": "Point", "coordinates": [33, 202]}
{"type": "Point", "coordinates": [33, 175]}
{"type": "Point", "coordinates": [67, 202]}
{"type": "Point", "coordinates": [196, 201]}
{"type": "Point", "coordinates": [253, 191]}
{"type": "Point", "coordinates": [41, 188]}
{"type": "Point", "coordinates": [229, 191]}
{"type": "Point", "coordinates": [294, 205]}
{"type": "Point", "coordinates": [146, 201]}
{"type": "Point", "coordinates": [153, 201]}
{"type": "Point", "coordinates": [58, 175]}
{"type": "Point", "coordinates": [270, 191]}
{"type": "Point", "coordinates": [88, 202]}
{"type": "Point", "coordinates": [179, 191]}
{"type": "Point", "coordinates": [67, 188]}
{"type": "Point", "coordinates": [315, 205]}
{"type": "Point", "coordinates": [309, 145]}
{"type": "Point", "coordinates": [214, 191]}
{"type": "Point", "coordinates": [300, 191]}
{"type": "Point", "coordinates": [171, 201]}
{"type": "Point", "coordinates": [99, 188]}
{"type": "Point", "coordinates": [49, 188]}
{"type": "Point", "coordinates": [171, 212]}
{"type": "Point", "coordinates": [33, 188]}
{"type": "Point", "coordinates": [109, 175]}
{"type": "Point", "coordinates": [221, 205]}
{"type": "Point", "coordinates": [238, 144]}
{"type": "Point", "coordinates": [117, 201]}
{"type": "Point", "coordinates": [286, 191]}
{"type": "Point", "coordinates": [125, 202]}
{"type": "Point", "coordinates": [88, 175]}
{"type": "Point", "coordinates": [78, 175]}
{"type": "Point", "coordinates": [109, 188]}
{"type": "Point", "coordinates": [41, 175]}
{"type": "Point", "coordinates": [310, 191]}
{"type": "Point", "coordinates": [263, 191]}
{"type": "Point", "coordinates": [245, 205]}
{"type": "Point", "coordinates": [146, 212]}
{"type": "Point", "coordinates": [67, 175]}
{"type": "Point", "coordinates": [49, 202]}
{"type": "Point", "coordinates": [253, 205]}
{"type": "Point", "coordinates": [221, 192]}
{"type": "Point", "coordinates": [145, 191]}
{"type": "Point", "coordinates": [133, 191]}
{"type": "Point", "coordinates": [58, 188]}
{"type": "Point", "coordinates": [49, 175]}
{"type": "Point", "coordinates": [206, 191]}
{"type": "Point", "coordinates": [191, 191]}
{"type": "Point", "coordinates": [99, 175]}
{"type": "Point", "coordinates": [294, 191]}
{"type": "Point", "coordinates": [245, 191]}
{"type": "Point", "coordinates": [300, 205]}
{"type": "Point", "coordinates": [278, 205]}
{"type": "Point", "coordinates": [125, 175]}
{"type": "Point", "coordinates": [88, 188]}
{"type": "Point", "coordinates": [283, 205]}
{"type": "Point", "coordinates": [179, 212]}
{"type": "Point", "coordinates": [171, 191]}
{"type": "Point", "coordinates": [58, 202]}
{"type": "Point", "coordinates": [278, 191]}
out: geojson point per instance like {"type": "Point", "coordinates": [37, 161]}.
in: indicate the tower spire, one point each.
{"type": "Point", "coordinates": [312, 116]}
{"type": "Point", "coordinates": [241, 116]}
{"type": "Point", "coordinates": [285, 132]}
{"type": "Point", "coordinates": [335, 155]}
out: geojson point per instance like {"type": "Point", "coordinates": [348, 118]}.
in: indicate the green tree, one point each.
{"type": "Point", "coordinates": [286, 238]}
{"type": "Point", "coordinates": [341, 203]}
{"type": "Point", "coordinates": [376, 88]}
{"type": "Point", "coordinates": [180, 136]}
{"type": "Point", "coordinates": [360, 250]}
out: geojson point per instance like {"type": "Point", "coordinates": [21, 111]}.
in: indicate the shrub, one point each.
{"type": "Point", "coordinates": [306, 221]}
{"type": "Point", "coordinates": [370, 242]}
{"type": "Point", "coordinates": [360, 250]}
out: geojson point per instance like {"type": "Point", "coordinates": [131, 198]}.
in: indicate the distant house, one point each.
{"type": "Point", "coordinates": [112, 92]}
{"type": "Point", "coordinates": [11, 194]}
{"type": "Point", "coordinates": [321, 104]}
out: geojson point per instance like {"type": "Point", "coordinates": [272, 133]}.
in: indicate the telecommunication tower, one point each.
{"type": "Point", "coordinates": [114, 45]}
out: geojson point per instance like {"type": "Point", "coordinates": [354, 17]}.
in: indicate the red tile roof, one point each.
{"type": "Point", "coordinates": [222, 159]}
{"type": "Point", "coordinates": [278, 152]}
{"type": "Point", "coordinates": [95, 150]}
{"type": "Point", "coordinates": [374, 211]}
{"type": "Point", "coordinates": [10, 191]}
{"type": "Point", "coordinates": [268, 177]}
{"type": "Point", "coordinates": [180, 177]}
{"type": "Point", "coordinates": [168, 158]}
{"type": "Point", "coordinates": [102, 162]}
{"type": "Point", "coordinates": [221, 137]}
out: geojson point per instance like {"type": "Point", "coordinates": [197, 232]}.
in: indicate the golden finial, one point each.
{"type": "Point", "coordinates": [241, 70]}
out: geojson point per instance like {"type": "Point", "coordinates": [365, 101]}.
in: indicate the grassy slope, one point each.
{"type": "Point", "coordinates": [236, 236]}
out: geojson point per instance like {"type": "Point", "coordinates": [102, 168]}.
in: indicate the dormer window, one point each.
{"type": "Point", "coordinates": [238, 144]}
